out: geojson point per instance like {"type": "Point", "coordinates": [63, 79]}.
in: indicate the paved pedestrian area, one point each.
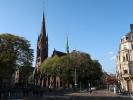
{"type": "Point", "coordinates": [93, 93]}
{"type": "Point", "coordinates": [82, 95]}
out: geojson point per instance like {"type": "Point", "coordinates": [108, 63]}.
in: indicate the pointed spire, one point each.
{"type": "Point", "coordinates": [38, 38]}
{"type": "Point", "coordinates": [67, 45]}
{"type": "Point", "coordinates": [43, 29]}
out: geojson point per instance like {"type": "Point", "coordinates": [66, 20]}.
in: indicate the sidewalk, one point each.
{"type": "Point", "coordinates": [98, 93]}
{"type": "Point", "coordinates": [82, 95]}
{"type": "Point", "coordinates": [93, 93]}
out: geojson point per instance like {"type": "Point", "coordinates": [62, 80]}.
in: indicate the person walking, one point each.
{"type": "Point", "coordinates": [89, 88]}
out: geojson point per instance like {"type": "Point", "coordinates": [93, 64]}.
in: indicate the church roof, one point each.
{"type": "Point", "coordinates": [58, 53]}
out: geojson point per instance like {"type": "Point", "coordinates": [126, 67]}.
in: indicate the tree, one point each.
{"type": "Point", "coordinates": [65, 66]}
{"type": "Point", "coordinates": [15, 53]}
{"type": "Point", "coordinates": [25, 72]}
{"type": "Point", "coordinates": [50, 66]}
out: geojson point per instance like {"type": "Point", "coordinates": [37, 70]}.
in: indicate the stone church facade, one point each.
{"type": "Point", "coordinates": [125, 61]}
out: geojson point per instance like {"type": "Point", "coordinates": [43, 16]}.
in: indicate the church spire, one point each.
{"type": "Point", "coordinates": [43, 29]}
{"type": "Point", "coordinates": [67, 45]}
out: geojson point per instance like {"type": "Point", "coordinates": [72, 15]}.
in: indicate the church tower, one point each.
{"type": "Point", "coordinates": [42, 44]}
{"type": "Point", "coordinates": [42, 50]}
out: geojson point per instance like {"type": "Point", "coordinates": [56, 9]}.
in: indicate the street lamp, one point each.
{"type": "Point", "coordinates": [75, 78]}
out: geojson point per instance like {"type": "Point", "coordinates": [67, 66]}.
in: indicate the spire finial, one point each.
{"type": "Point", "coordinates": [43, 5]}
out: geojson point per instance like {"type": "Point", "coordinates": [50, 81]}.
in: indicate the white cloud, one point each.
{"type": "Point", "coordinates": [113, 57]}
{"type": "Point", "coordinates": [111, 53]}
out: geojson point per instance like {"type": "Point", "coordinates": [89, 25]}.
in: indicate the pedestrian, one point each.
{"type": "Point", "coordinates": [89, 88]}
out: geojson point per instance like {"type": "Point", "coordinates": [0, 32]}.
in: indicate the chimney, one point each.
{"type": "Point", "coordinates": [131, 27]}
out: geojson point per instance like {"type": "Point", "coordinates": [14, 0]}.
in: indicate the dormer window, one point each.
{"type": "Point", "coordinates": [127, 37]}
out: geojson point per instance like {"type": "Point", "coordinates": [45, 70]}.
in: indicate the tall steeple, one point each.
{"type": "Point", "coordinates": [43, 28]}
{"type": "Point", "coordinates": [42, 51]}
{"type": "Point", "coordinates": [67, 45]}
{"type": "Point", "coordinates": [42, 44]}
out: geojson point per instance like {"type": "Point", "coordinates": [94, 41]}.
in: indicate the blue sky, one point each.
{"type": "Point", "coordinates": [93, 26]}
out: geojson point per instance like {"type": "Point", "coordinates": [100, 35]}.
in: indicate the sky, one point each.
{"type": "Point", "coordinates": [93, 26]}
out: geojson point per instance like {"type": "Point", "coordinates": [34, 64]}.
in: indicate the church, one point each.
{"type": "Point", "coordinates": [42, 55]}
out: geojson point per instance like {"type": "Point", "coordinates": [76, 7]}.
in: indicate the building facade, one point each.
{"type": "Point", "coordinates": [124, 61]}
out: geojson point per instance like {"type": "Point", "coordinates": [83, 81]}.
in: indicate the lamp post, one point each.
{"type": "Point", "coordinates": [75, 78]}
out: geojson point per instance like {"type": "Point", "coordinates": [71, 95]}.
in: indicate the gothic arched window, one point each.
{"type": "Point", "coordinates": [126, 57]}
{"type": "Point", "coordinates": [123, 59]}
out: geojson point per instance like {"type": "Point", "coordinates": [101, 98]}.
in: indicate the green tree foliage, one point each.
{"type": "Point", "coordinates": [50, 66]}
{"type": "Point", "coordinates": [25, 72]}
{"type": "Point", "coordinates": [87, 70]}
{"type": "Point", "coordinates": [15, 52]}
{"type": "Point", "coordinates": [67, 64]}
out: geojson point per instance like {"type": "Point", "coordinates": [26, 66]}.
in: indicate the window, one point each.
{"type": "Point", "coordinates": [123, 59]}
{"type": "Point", "coordinates": [126, 38]}
{"type": "Point", "coordinates": [125, 71]}
{"type": "Point", "coordinates": [132, 37]}
{"type": "Point", "coordinates": [126, 57]}
{"type": "Point", "coordinates": [132, 46]}
{"type": "Point", "coordinates": [125, 47]}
